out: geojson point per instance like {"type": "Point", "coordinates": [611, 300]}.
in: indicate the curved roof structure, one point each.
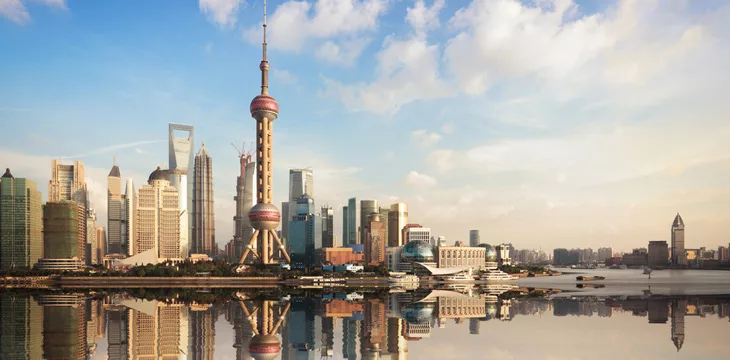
{"type": "Point", "coordinates": [7, 174]}
{"type": "Point", "coordinates": [678, 221]}
{"type": "Point", "coordinates": [444, 271]}
{"type": "Point", "coordinates": [444, 294]}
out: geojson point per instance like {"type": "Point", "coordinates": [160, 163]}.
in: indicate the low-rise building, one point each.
{"type": "Point", "coordinates": [636, 258]}
{"type": "Point", "coordinates": [658, 253]}
{"type": "Point", "coordinates": [339, 256]}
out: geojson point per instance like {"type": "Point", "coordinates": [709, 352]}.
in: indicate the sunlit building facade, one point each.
{"type": "Point", "coordinates": [21, 223]}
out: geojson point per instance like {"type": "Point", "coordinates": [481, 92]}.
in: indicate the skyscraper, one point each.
{"type": "Point", "coordinates": [114, 210]}
{"type": "Point", "coordinates": [328, 223]}
{"type": "Point", "coordinates": [64, 243]}
{"type": "Point", "coordinates": [264, 216]}
{"type": "Point", "coordinates": [202, 333]}
{"type": "Point", "coordinates": [21, 223]}
{"type": "Point", "coordinates": [21, 334]}
{"type": "Point", "coordinates": [118, 336]}
{"type": "Point", "coordinates": [67, 183]}
{"type": "Point", "coordinates": [367, 207]}
{"type": "Point", "coordinates": [91, 245]}
{"type": "Point", "coordinates": [305, 230]}
{"type": "Point", "coordinates": [658, 253]}
{"type": "Point", "coordinates": [397, 220]}
{"type": "Point", "coordinates": [100, 243]}
{"type": "Point", "coordinates": [374, 238]}
{"type": "Point", "coordinates": [203, 224]}
{"type": "Point", "coordinates": [244, 202]}
{"type": "Point", "coordinates": [352, 237]}
{"type": "Point", "coordinates": [301, 181]}
{"type": "Point", "coordinates": [384, 220]}
{"type": "Point", "coordinates": [129, 220]}
{"type": "Point", "coordinates": [181, 164]}
{"type": "Point", "coordinates": [679, 257]}
{"type": "Point", "coordinates": [158, 217]}
{"type": "Point", "coordinates": [474, 239]}
{"type": "Point", "coordinates": [679, 310]}
{"type": "Point", "coordinates": [345, 226]}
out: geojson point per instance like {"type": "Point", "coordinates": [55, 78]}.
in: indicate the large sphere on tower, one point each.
{"type": "Point", "coordinates": [266, 104]}
{"type": "Point", "coordinates": [264, 347]}
{"type": "Point", "coordinates": [264, 216]}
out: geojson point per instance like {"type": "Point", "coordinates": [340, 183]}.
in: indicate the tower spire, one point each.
{"type": "Point", "coordinates": [264, 63]}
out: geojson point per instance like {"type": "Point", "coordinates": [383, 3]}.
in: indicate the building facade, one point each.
{"type": "Point", "coordinates": [375, 240]}
{"type": "Point", "coordinates": [129, 219]}
{"type": "Point", "coordinates": [604, 253]}
{"type": "Point", "coordinates": [64, 240]}
{"type": "Point", "coordinates": [180, 177]}
{"type": "Point", "coordinates": [100, 243]}
{"type": "Point", "coordinates": [397, 220]}
{"type": "Point", "coordinates": [367, 207]}
{"type": "Point", "coordinates": [158, 217]}
{"type": "Point", "coordinates": [415, 232]}
{"type": "Point", "coordinates": [114, 205]}
{"type": "Point", "coordinates": [328, 227]}
{"type": "Point", "coordinates": [339, 256]}
{"type": "Point", "coordinates": [474, 238]}
{"type": "Point", "coordinates": [305, 230]}
{"type": "Point", "coordinates": [345, 226]}
{"type": "Point", "coordinates": [67, 183]}
{"type": "Point", "coordinates": [21, 223]}
{"type": "Point", "coordinates": [658, 253]}
{"type": "Point", "coordinates": [245, 184]}
{"type": "Point", "coordinates": [301, 181]}
{"type": "Point", "coordinates": [453, 256]}
{"type": "Point", "coordinates": [203, 209]}
{"type": "Point", "coordinates": [352, 237]}
{"type": "Point", "coordinates": [679, 257]}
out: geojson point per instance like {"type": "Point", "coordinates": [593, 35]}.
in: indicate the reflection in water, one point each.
{"type": "Point", "coordinates": [310, 326]}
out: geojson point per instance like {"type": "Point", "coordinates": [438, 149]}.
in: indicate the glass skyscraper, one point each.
{"type": "Point", "coordinates": [351, 222]}
{"type": "Point", "coordinates": [305, 230]}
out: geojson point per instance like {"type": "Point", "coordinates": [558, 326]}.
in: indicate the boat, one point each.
{"type": "Point", "coordinates": [460, 277]}
{"type": "Point", "coordinates": [496, 275]}
{"type": "Point", "coordinates": [647, 271]}
{"type": "Point", "coordinates": [401, 278]}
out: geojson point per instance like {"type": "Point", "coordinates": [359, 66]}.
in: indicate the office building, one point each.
{"type": "Point", "coordinates": [68, 183]}
{"type": "Point", "coordinates": [474, 239]}
{"type": "Point", "coordinates": [129, 219]}
{"type": "Point", "coordinates": [658, 253]}
{"type": "Point", "coordinates": [679, 310]}
{"type": "Point", "coordinates": [64, 327]}
{"type": "Point", "coordinates": [345, 226]}
{"type": "Point", "coordinates": [458, 256]}
{"type": "Point", "coordinates": [328, 224]}
{"type": "Point", "coordinates": [352, 237]}
{"type": "Point", "coordinates": [158, 217]}
{"type": "Point", "coordinates": [339, 256]}
{"type": "Point", "coordinates": [203, 214]}
{"type": "Point", "coordinates": [100, 235]}
{"type": "Point", "coordinates": [301, 181]}
{"type": "Point", "coordinates": [64, 243]}
{"type": "Point", "coordinates": [202, 332]}
{"type": "Point", "coordinates": [367, 207]}
{"type": "Point", "coordinates": [397, 220]}
{"type": "Point", "coordinates": [384, 220]}
{"type": "Point", "coordinates": [180, 177]}
{"type": "Point", "coordinates": [415, 232]}
{"type": "Point", "coordinates": [245, 184]}
{"type": "Point", "coordinates": [21, 223]}
{"type": "Point", "coordinates": [679, 258]}
{"type": "Point", "coordinates": [305, 232]}
{"type": "Point", "coordinates": [90, 250]}
{"type": "Point", "coordinates": [375, 241]}
{"type": "Point", "coordinates": [114, 205]}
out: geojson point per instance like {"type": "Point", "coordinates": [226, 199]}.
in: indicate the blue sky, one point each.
{"type": "Point", "coordinates": [542, 123]}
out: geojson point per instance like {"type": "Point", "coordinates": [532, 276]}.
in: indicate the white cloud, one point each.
{"type": "Point", "coordinates": [419, 180]}
{"type": "Point", "coordinates": [338, 25]}
{"type": "Point", "coordinates": [221, 12]}
{"type": "Point", "coordinates": [284, 76]}
{"type": "Point", "coordinates": [425, 138]}
{"type": "Point", "coordinates": [443, 160]}
{"type": "Point", "coordinates": [15, 10]}
{"type": "Point", "coordinates": [422, 17]}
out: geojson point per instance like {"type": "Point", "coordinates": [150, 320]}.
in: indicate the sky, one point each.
{"type": "Point", "coordinates": [544, 123]}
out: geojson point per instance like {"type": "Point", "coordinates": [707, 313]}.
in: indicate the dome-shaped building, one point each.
{"type": "Point", "coordinates": [158, 174]}
{"type": "Point", "coordinates": [264, 347]}
{"type": "Point", "coordinates": [418, 313]}
{"type": "Point", "coordinates": [417, 251]}
{"type": "Point", "coordinates": [490, 256]}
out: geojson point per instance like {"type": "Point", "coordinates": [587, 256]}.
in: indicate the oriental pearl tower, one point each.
{"type": "Point", "coordinates": [264, 216]}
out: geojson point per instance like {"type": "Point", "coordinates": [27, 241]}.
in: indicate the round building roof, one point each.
{"type": "Point", "coordinates": [418, 251]}
{"type": "Point", "coordinates": [490, 253]}
{"type": "Point", "coordinates": [7, 174]}
{"type": "Point", "coordinates": [158, 174]}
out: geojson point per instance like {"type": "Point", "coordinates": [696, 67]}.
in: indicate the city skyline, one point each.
{"type": "Point", "coordinates": [579, 157]}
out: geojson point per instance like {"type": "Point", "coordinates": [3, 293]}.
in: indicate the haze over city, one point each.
{"type": "Point", "coordinates": [541, 123]}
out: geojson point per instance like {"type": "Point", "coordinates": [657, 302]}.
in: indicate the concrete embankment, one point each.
{"type": "Point", "coordinates": [147, 282]}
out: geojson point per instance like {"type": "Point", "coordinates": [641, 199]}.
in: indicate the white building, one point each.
{"type": "Point", "coordinates": [417, 233]}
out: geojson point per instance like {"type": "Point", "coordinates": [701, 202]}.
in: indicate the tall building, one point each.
{"type": "Point", "coordinates": [245, 184]}
{"type": "Point", "coordinates": [264, 216]}
{"type": "Point", "coordinates": [181, 164]}
{"type": "Point", "coordinates": [345, 226]}
{"type": "Point", "coordinates": [100, 243]}
{"type": "Point", "coordinates": [64, 327]}
{"type": "Point", "coordinates": [203, 215]}
{"type": "Point", "coordinates": [129, 219]}
{"type": "Point", "coordinates": [679, 310]}
{"type": "Point", "coordinates": [352, 226]}
{"type": "Point", "coordinates": [658, 253]}
{"type": "Point", "coordinates": [91, 244]}
{"type": "Point", "coordinates": [64, 243]}
{"type": "Point", "coordinates": [301, 181]}
{"type": "Point", "coordinates": [67, 183]}
{"type": "Point", "coordinates": [474, 239]}
{"type": "Point", "coordinates": [367, 207]}
{"type": "Point", "coordinates": [305, 230]}
{"type": "Point", "coordinates": [397, 220]}
{"type": "Point", "coordinates": [202, 333]}
{"type": "Point", "coordinates": [21, 223]}
{"type": "Point", "coordinates": [374, 238]}
{"type": "Point", "coordinates": [114, 210]}
{"type": "Point", "coordinates": [158, 217]}
{"type": "Point", "coordinates": [328, 227]}
{"type": "Point", "coordinates": [118, 333]}
{"type": "Point", "coordinates": [679, 258]}
{"type": "Point", "coordinates": [21, 334]}
{"type": "Point", "coordinates": [384, 220]}
{"type": "Point", "coordinates": [604, 253]}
